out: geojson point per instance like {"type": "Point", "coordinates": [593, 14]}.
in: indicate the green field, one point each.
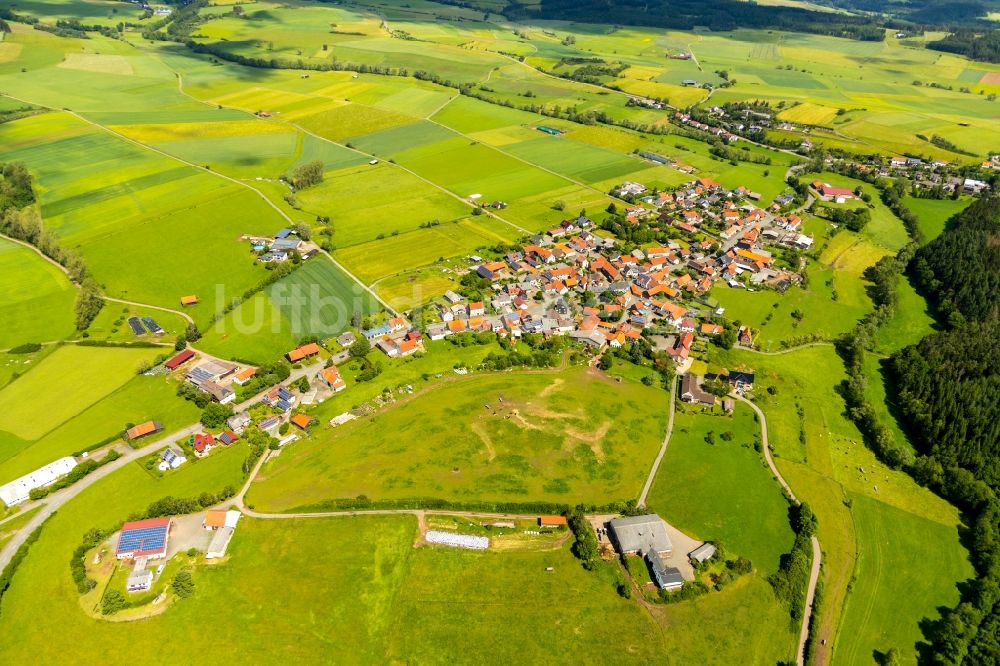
{"type": "Point", "coordinates": [139, 399]}
{"type": "Point", "coordinates": [545, 436]}
{"type": "Point", "coordinates": [141, 201]}
{"type": "Point", "coordinates": [318, 299]}
{"type": "Point", "coordinates": [823, 458]}
{"type": "Point", "coordinates": [38, 298]}
{"type": "Point", "coordinates": [63, 385]}
{"type": "Point", "coordinates": [908, 567]}
{"type": "Point", "coordinates": [722, 491]}
{"type": "Point", "coordinates": [933, 214]}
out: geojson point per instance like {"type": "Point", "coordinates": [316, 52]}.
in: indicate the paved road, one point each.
{"type": "Point", "coordinates": [57, 499]}
{"type": "Point", "coordinates": [817, 552]}
{"type": "Point", "coordinates": [663, 447]}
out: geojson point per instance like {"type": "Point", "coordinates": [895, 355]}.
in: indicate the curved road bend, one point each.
{"type": "Point", "coordinates": [817, 552]}
{"type": "Point", "coordinates": [663, 447]}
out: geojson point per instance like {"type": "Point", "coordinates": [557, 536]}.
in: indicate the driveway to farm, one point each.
{"type": "Point", "coordinates": [817, 552]}
{"type": "Point", "coordinates": [663, 447]}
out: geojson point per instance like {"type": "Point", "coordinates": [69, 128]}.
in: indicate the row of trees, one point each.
{"type": "Point", "coordinates": [19, 219]}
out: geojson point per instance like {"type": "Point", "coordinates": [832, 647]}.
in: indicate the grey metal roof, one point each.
{"type": "Point", "coordinates": [642, 534]}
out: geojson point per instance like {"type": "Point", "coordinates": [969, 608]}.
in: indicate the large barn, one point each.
{"type": "Point", "coordinates": [144, 538]}
{"type": "Point", "coordinates": [638, 535]}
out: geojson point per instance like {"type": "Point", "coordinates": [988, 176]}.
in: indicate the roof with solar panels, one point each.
{"type": "Point", "coordinates": [144, 538]}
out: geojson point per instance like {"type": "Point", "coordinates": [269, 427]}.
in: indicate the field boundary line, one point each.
{"type": "Point", "coordinates": [235, 181]}
{"type": "Point", "coordinates": [180, 86]}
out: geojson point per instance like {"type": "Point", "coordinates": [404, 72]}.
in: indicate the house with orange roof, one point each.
{"type": "Point", "coordinates": [332, 378]}
{"type": "Point", "coordinates": [244, 375]}
{"type": "Point", "coordinates": [616, 340]}
{"type": "Point", "coordinates": [673, 313]}
{"type": "Point", "coordinates": [301, 421]}
{"type": "Point", "coordinates": [303, 352]}
{"type": "Point", "coordinates": [710, 329]}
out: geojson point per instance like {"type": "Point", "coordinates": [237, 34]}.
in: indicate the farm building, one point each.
{"type": "Point", "coordinates": [458, 540]}
{"type": "Point", "coordinates": [666, 577]}
{"type": "Point", "coordinates": [301, 421]}
{"type": "Point", "coordinates": [549, 130]}
{"type": "Point", "coordinates": [640, 534]}
{"type": "Point", "coordinates": [139, 580]}
{"type": "Point", "coordinates": [220, 394]}
{"type": "Point", "coordinates": [210, 371]}
{"type": "Point", "coordinates": [218, 518]}
{"type": "Point", "coordinates": [19, 490]}
{"type": "Point", "coordinates": [144, 430]}
{"type": "Point", "coordinates": [219, 543]}
{"type": "Point", "coordinates": [179, 360]}
{"type": "Point", "coordinates": [144, 538]}
{"type": "Point", "coordinates": [189, 300]}
{"type": "Point", "coordinates": [552, 521]}
{"type": "Point", "coordinates": [302, 353]}
{"type": "Point", "coordinates": [244, 375]}
{"type": "Point", "coordinates": [703, 552]}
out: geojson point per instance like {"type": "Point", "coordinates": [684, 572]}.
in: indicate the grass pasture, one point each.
{"type": "Point", "coordinates": [933, 214]}
{"type": "Point", "coordinates": [316, 300]}
{"type": "Point", "coordinates": [394, 255]}
{"type": "Point", "coordinates": [723, 492]}
{"type": "Point", "coordinates": [520, 437]}
{"type": "Point", "coordinates": [136, 400]}
{"type": "Point", "coordinates": [38, 298]}
{"type": "Point", "coordinates": [365, 201]}
{"type": "Point", "coordinates": [65, 383]}
{"type": "Point", "coordinates": [908, 567]}
{"type": "Point", "coordinates": [140, 200]}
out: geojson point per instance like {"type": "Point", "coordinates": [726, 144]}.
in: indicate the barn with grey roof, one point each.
{"type": "Point", "coordinates": [640, 535]}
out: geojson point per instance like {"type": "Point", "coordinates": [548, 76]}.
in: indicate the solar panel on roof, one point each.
{"type": "Point", "coordinates": [152, 325]}
{"type": "Point", "coordinates": [136, 327]}
{"type": "Point", "coordinates": [144, 539]}
{"type": "Point", "coordinates": [199, 375]}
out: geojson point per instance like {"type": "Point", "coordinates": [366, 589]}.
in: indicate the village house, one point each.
{"type": "Point", "coordinates": [691, 391]}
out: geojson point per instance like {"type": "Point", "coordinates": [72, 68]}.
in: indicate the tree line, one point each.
{"type": "Point", "coordinates": [946, 389]}
{"type": "Point", "coordinates": [19, 219]}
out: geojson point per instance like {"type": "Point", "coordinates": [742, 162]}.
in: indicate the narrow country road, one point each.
{"type": "Point", "coordinates": [800, 657]}
{"type": "Point", "coordinates": [663, 447]}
